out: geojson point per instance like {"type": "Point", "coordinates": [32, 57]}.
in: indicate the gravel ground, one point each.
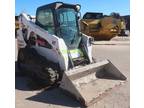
{"type": "Point", "coordinates": [117, 98]}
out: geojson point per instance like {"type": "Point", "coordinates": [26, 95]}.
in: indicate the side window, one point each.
{"type": "Point", "coordinates": [45, 18]}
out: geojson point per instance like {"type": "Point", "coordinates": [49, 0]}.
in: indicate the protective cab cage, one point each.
{"type": "Point", "coordinates": [53, 7]}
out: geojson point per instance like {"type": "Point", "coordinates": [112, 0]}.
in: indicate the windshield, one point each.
{"type": "Point", "coordinates": [68, 28]}
{"type": "Point", "coordinates": [93, 16]}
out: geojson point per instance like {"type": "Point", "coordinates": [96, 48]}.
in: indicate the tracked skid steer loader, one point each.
{"type": "Point", "coordinates": [53, 50]}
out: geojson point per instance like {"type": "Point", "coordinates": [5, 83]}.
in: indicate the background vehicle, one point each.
{"type": "Point", "coordinates": [54, 51]}
{"type": "Point", "coordinates": [16, 24]}
{"type": "Point", "coordinates": [99, 26]}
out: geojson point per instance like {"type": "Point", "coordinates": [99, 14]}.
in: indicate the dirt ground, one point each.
{"type": "Point", "coordinates": [119, 97]}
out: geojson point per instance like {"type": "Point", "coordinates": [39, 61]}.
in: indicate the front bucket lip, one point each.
{"type": "Point", "coordinates": [75, 70]}
{"type": "Point", "coordinates": [95, 67]}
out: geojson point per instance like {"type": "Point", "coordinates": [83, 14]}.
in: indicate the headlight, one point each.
{"type": "Point", "coordinates": [78, 7]}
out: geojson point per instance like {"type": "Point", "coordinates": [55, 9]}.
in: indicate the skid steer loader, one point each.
{"type": "Point", "coordinates": [54, 50]}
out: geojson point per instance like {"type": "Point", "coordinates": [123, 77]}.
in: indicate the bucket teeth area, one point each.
{"type": "Point", "coordinates": [88, 83]}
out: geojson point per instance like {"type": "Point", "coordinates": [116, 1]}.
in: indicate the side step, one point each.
{"type": "Point", "coordinates": [88, 83]}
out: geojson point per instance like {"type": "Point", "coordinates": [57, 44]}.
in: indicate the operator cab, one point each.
{"type": "Point", "coordinates": [61, 20]}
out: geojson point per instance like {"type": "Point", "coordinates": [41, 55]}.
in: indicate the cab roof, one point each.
{"type": "Point", "coordinates": [57, 5]}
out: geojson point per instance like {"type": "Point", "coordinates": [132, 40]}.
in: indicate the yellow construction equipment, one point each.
{"type": "Point", "coordinates": [16, 22]}
{"type": "Point", "coordinates": [100, 27]}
